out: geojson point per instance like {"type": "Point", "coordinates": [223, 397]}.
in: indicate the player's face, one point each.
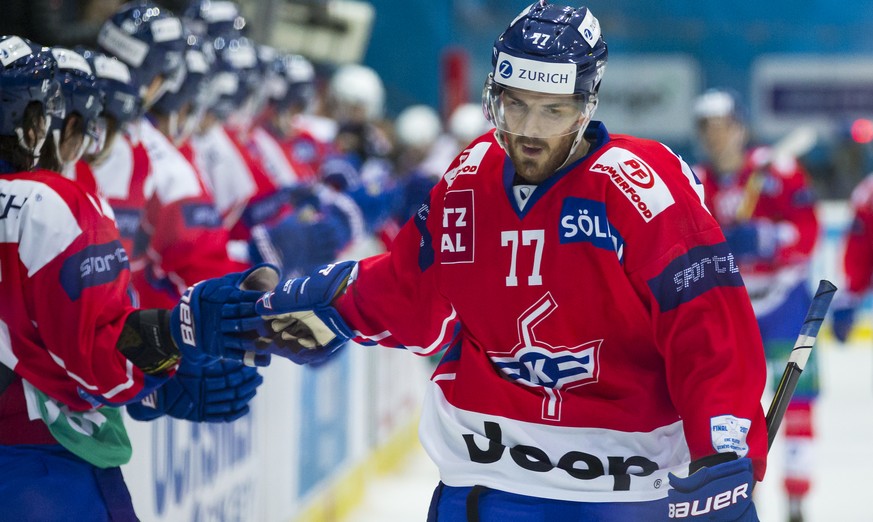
{"type": "Point", "coordinates": [536, 159]}
{"type": "Point", "coordinates": [723, 139]}
{"type": "Point", "coordinates": [538, 129]}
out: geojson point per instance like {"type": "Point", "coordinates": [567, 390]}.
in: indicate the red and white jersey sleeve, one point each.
{"type": "Point", "coordinates": [187, 242]}
{"type": "Point", "coordinates": [597, 339]}
{"type": "Point", "coordinates": [225, 172]}
{"type": "Point", "coordinates": [63, 278]}
{"type": "Point", "coordinates": [858, 254]}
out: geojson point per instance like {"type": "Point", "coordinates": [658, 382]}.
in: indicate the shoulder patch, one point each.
{"type": "Point", "coordinates": [639, 183]}
{"type": "Point", "coordinates": [469, 162]}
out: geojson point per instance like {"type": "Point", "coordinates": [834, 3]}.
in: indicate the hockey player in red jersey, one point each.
{"type": "Point", "coordinates": [857, 260]}
{"type": "Point", "coordinates": [179, 234]}
{"type": "Point", "coordinates": [598, 337]}
{"type": "Point", "coordinates": [766, 208]}
{"type": "Point", "coordinates": [72, 348]}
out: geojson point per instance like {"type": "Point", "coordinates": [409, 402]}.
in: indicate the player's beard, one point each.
{"type": "Point", "coordinates": [536, 159]}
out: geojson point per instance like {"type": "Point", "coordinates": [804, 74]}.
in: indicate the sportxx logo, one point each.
{"type": "Point", "coordinates": [550, 368]}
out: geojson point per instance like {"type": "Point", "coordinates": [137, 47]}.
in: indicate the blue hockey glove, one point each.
{"type": "Point", "coordinates": [215, 318]}
{"type": "Point", "coordinates": [752, 240]}
{"type": "Point", "coordinates": [719, 488]}
{"type": "Point", "coordinates": [300, 319]}
{"type": "Point", "coordinates": [843, 319]}
{"type": "Point", "coordinates": [298, 243]}
{"type": "Point", "coordinates": [216, 392]}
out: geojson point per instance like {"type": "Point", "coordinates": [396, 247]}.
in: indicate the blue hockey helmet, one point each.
{"type": "Point", "coordinates": [27, 75]}
{"type": "Point", "coordinates": [150, 40]}
{"type": "Point", "coordinates": [215, 18]}
{"type": "Point", "coordinates": [236, 76]}
{"type": "Point", "coordinates": [185, 87]}
{"type": "Point", "coordinates": [300, 75]}
{"type": "Point", "coordinates": [81, 92]}
{"type": "Point", "coordinates": [121, 99]}
{"type": "Point", "coordinates": [548, 50]}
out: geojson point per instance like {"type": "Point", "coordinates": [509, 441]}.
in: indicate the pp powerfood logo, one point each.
{"type": "Point", "coordinates": [638, 181]}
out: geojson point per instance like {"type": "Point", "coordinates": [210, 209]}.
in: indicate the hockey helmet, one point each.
{"type": "Point", "coordinates": [150, 40]}
{"type": "Point", "coordinates": [547, 51]}
{"type": "Point", "coordinates": [27, 75]}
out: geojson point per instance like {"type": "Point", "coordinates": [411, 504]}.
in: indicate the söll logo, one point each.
{"type": "Point", "coordinates": [638, 173]}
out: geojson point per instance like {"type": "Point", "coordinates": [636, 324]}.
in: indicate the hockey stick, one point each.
{"type": "Point", "coordinates": [799, 356]}
{"type": "Point", "coordinates": [797, 143]}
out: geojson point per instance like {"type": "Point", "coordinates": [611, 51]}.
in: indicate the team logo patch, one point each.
{"type": "Point", "coordinates": [93, 266]}
{"type": "Point", "coordinates": [538, 364]}
{"type": "Point", "coordinates": [584, 220]}
{"type": "Point", "coordinates": [640, 184]}
{"type": "Point", "coordinates": [729, 434]}
{"type": "Point", "coordinates": [469, 162]}
{"type": "Point", "coordinates": [693, 273]}
{"type": "Point", "coordinates": [456, 243]}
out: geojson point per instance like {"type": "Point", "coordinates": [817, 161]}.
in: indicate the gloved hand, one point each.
{"type": "Point", "coordinates": [298, 243]}
{"type": "Point", "coordinates": [302, 323]}
{"type": "Point", "coordinates": [216, 318]}
{"type": "Point", "coordinates": [215, 392]}
{"type": "Point", "coordinates": [719, 488]}
{"type": "Point", "coordinates": [843, 319]}
{"type": "Point", "coordinates": [752, 240]}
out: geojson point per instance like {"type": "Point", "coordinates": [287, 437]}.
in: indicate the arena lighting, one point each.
{"type": "Point", "coordinates": [862, 130]}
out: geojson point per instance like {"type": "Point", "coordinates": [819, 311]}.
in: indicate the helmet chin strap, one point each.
{"type": "Point", "coordinates": [592, 106]}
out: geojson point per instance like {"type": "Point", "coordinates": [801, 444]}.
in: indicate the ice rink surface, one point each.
{"type": "Point", "coordinates": [844, 460]}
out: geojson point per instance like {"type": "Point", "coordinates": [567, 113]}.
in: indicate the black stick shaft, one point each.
{"type": "Point", "coordinates": [799, 356]}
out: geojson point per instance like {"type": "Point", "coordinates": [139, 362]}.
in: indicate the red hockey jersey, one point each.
{"type": "Point", "coordinates": [787, 202]}
{"type": "Point", "coordinates": [858, 255]}
{"type": "Point", "coordinates": [597, 338]}
{"type": "Point", "coordinates": [64, 293]}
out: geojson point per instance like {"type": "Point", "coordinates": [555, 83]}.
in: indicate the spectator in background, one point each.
{"type": "Point", "coordinates": [766, 208]}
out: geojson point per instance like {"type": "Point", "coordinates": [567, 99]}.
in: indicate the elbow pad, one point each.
{"type": "Point", "coordinates": [147, 343]}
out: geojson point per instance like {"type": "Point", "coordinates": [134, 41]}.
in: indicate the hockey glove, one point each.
{"type": "Point", "coordinates": [719, 488]}
{"type": "Point", "coordinates": [298, 243]}
{"type": "Point", "coordinates": [214, 319]}
{"type": "Point", "coordinates": [217, 392]}
{"type": "Point", "coordinates": [752, 240]}
{"type": "Point", "coordinates": [843, 319]}
{"type": "Point", "coordinates": [303, 325]}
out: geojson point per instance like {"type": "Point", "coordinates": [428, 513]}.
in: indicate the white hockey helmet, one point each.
{"type": "Point", "coordinates": [358, 87]}
{"type": "Point", "coordinates": [417, 126]}
{"type": "Point", "coordinates": [468, 122]}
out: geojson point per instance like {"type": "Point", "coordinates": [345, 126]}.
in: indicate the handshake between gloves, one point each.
{"type": "Point", "coordinates": [246, 317]}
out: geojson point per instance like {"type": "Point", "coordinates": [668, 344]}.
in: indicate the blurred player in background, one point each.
{"type": "Point", "coordinates": [72, 347]}
{"type": "Point", "coordinates": [857, 261]}
{"type": "Point", "coordinates": [598, 337]}
{"type": "Point", "coordinates": [765, 205]}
